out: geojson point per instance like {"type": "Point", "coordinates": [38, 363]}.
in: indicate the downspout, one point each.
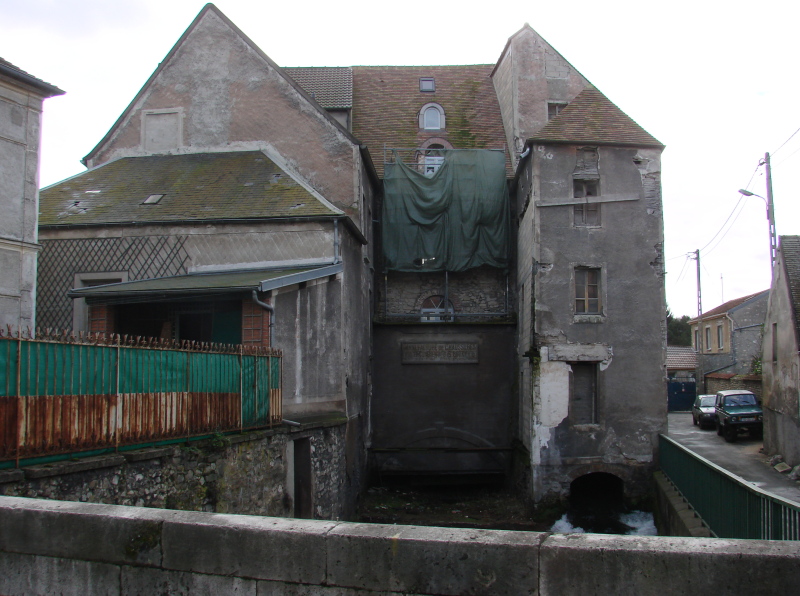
{"type": "Point", "coordinates": [271, 310]}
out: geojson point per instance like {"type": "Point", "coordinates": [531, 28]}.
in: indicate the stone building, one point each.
{"type": "Point", "coordinates": [781, 355]}
{"type": "Point", "coordinates": [465, 262]}
{"type": "Point", "coordinates": [21, 99]}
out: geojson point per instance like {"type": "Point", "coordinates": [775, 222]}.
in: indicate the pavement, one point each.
{"type": "Point", "coordinates": [742, 458]}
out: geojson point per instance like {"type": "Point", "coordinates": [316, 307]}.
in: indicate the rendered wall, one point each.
{"type": "Point", "coordinates": [626, 341]}
{"type": "Point", "coordinates": [76, 548]}
{"type": "Point", "coordinates": [20, 121]}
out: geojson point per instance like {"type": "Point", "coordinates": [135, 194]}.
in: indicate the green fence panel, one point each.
{"type": "Point", "coordinates": [144, 370]}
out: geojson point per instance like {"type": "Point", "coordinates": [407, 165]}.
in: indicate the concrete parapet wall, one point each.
{"type": "Point", "coordinates": [49, 547]}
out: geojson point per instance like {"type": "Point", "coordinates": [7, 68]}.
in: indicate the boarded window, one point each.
{"type": "Point", "coordinates": [583, 393]}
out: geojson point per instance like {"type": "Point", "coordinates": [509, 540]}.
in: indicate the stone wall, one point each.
{"type": "Point", "coordinates": [78, 548]}
{"type": "Point", "coordinates": [716, 383]}
{"type": "Point", "coordinates": [249, 473]}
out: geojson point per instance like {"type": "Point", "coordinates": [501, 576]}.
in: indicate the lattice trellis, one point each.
{"type": "Point", "coordinates": [143, 257]}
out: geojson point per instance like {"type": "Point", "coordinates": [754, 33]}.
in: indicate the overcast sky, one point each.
{"type": "Point", "coordinates": [716, 82]}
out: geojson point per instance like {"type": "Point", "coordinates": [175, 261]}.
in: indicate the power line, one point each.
{"type": "Point", "coordinates": [786, 141]}
{"type": "Point", "coordinates": [787, 157]}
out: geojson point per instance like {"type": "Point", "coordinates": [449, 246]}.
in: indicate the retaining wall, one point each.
{"type": "Point", "coordinates": [49, 547]}
{"type": "Point", "coordinates": [248, 473]}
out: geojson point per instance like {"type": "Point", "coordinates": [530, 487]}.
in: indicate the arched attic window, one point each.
{"type": "Point", "coordinates": [431, 117]}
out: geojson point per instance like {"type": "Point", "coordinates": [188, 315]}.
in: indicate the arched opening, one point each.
{"type": "Point", "coordinates": [596, 502]}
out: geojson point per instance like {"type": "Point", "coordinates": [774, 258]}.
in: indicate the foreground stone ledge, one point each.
{"type": "Point", "coordinates": [431, 560]}
{"type": "Point", "coordinates": [607, 564]}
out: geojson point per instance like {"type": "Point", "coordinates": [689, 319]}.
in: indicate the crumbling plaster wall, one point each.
{"type": "Point", "coordinates": [627, 340]}
{"type": "Point", "coordinates": [781, 372]}
{"type": "Point", "coordinates": [230, 98]}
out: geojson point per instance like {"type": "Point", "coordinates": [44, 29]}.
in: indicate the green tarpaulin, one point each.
{"type": "Point", "coordinates": [452, 219]}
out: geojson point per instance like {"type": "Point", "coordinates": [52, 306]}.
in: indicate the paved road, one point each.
{"type": "Point", "coordinates": [742, 458]}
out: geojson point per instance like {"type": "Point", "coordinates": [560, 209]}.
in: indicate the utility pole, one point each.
{"type": "Point", "coordinates": [773, 239]}
{"type": "Point", "coordinates": [699, 295]}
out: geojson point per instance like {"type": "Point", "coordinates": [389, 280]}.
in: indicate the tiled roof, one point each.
{"type": "Point", "coordinates": [330, 86]}
{"type": "Point", "coordinates": [387, 101]}
{"type": "Point", "coordinates": [16, 72]}
{"type": "Point", "coordinates": [790, 250]}
{"type": "Point", "coordinates": [729, 305]}
{"type": "Point", "coordinates": [681, 358]}
{"type": "Point", "coordinates": [592, 118]}
{"type": "Point", "coordinates": [203, 186]}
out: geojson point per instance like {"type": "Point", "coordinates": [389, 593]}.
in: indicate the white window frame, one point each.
{"type": "Point", "coordinates": [422, 120]}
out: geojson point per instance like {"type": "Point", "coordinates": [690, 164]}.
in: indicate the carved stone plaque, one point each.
{"type": "Point", "coordinates": [440, 353]}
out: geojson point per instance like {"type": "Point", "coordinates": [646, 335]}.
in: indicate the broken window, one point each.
{"type": "Point", "coordinates": [585, 188]}
{"type": "Point", "coordinates": [587, 291]}
{"type": "Point", "coordinates": [554, 108]}
{"type": "Point", "coordinates": [583, 392]}
{"type": "Point", "coordinates": [587, 215]}
{"type": "Point", "coordinates": [586, 176]}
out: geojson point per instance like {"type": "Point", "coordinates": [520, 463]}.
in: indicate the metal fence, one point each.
{"type": "Point", "coordinates": [729, 506]}
{"type": "Point", "coordinates": [70, 394]}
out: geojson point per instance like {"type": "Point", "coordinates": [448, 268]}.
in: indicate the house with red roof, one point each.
{"type": "Point", "coordinates": [462, 263]}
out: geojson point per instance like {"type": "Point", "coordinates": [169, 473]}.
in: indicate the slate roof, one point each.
{"type": "Point", "coordinates": [681, 358]}
{"type": "Point", "coordinates": [592, 118]}
{"type": "Point", "coordinates": [196, 187]}
{"type": "Point", "coordinates": [330, 86]}
{"type": "Point", "coordinates": [17, 73]}
{"type": "Point", "coordinates": [790, 250]}
{"type": "Point", "coordinates": [728, 306]}
{"type": "Point", "coordinates": [387, 101]}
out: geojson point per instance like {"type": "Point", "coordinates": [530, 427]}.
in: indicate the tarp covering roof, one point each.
{"type": "Point", "coordinates": [198, 284]}
{"type": "Point", "coordinates": [453, 220]}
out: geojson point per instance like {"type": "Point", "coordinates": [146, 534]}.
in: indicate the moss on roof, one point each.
{"type": "Point", "coordinates": [200, 187]}
{"type": "Point", "coordinates": [592, 118]}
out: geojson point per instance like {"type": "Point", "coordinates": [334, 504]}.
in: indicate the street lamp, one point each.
{"type": "Point", "coordinates": [773, 240]}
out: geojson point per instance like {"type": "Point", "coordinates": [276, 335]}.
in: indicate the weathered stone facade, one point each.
{"type": "Point", "coordinates": [243, 474]}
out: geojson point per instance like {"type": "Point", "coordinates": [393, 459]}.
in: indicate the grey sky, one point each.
{"type": "Point", "coordinates": [714, 81]}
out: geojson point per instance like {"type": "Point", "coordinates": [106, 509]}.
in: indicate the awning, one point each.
{"type": "Point", "coordinates": [202, 284]}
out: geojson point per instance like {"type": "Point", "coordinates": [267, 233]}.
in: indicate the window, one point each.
{"type": "Point", "coordinates": [583, 392]}
{"type": "Point", "coordinates": [434, 310]}
{"type": "Point", "coordinates": [431, 117]}
{"type": "Point", "coordinates": [427, 85]}
{"type": "Point", "coordinates": [774, 343]}
{"type": "Point", "coordinates": [708, 339]}
{"type": "Point", "coordinates": [585, 188]}
{"type": "Point", "coordinates": [152, 200]}
{"type": "Point", "coordinates": [720, 342]}
{"type": "Point", "coordinates": [697, 346]}
{"type": "Point", "coordinates": [554, 109]}
{"type": "Point", "coordinates": [587, 215]}
{"type": "Point", "coordinates": [587, 291]}
{"type": "Point", "coordinates": [432, 160]}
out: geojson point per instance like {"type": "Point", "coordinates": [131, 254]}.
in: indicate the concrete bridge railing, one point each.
{"type": "Point", "coordinates": [49, 547]}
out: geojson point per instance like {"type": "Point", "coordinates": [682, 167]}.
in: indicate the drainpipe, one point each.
{"type": "Point", "coordinates": [271, 310]}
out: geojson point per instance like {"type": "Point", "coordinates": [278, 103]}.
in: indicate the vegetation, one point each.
{"type": "Point", "coordinates": [679, 333]}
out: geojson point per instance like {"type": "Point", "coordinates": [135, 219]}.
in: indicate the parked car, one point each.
{"type": "Point", "coordinates": [703, 410]}
{"type": "Point", "coordinates": [738, 410]}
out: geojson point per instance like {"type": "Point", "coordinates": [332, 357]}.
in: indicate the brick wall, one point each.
{"type": "Point", "coordinates": [101, 319]}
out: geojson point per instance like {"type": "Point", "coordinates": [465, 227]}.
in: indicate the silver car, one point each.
{"type": "Point", "coordinates": [703, 412]}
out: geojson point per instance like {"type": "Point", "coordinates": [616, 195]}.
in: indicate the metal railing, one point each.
{"type": "Point", "coordinates": [66, 394]}
{"type": "Point", "coordinates": [728, 505]}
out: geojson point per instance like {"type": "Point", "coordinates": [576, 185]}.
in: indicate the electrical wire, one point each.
{"type": "Point", "coordinates": [787, 157]}
{"type": "Point", "coordinates": [730, 227]}
{"type": "Point", "coordinates": [786, 141]}
{"type": "Point", "coordinates": [678, 279]}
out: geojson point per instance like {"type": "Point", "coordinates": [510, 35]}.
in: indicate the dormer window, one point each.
{"type": "Point", "coordinates": [431, 117]}
{"type": "Point", "coordinates": [427, 85]}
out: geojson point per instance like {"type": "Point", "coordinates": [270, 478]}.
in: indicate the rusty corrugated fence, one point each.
{"type": "Point", "coordinates": [96, 392]}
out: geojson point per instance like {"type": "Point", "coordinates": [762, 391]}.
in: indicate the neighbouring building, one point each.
{"type": "Point", "coordinates": [21, 99]}
{"type": "Point", "coordinates": [463, 262]}
{"type": "Point", "coordinates": [781, 360]}
{"type": "Point", "coordinates": [727, 340]}
{"type": "Point", "coordinates": [681, 381]}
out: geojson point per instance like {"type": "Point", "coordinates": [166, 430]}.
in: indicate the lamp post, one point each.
{"type": "Point", "coordinates": [773, 239]}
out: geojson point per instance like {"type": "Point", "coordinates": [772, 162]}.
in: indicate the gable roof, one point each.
{"type": "Point", "coordinates": [196, 187]}
{"type": "Point", "coordinates": [681, 358]}
{"type": "Point", "coordinates": [387, 101]}
{"type": "Point", "coordinates": [330, 86]}
{"type": "Point", "coordinates": [163, 64]}
{"type": "Point", "coordinates": [592, 118]}
{"type": "Point", "coordinates": [790, 250]}
{"type": "Point", "coordinates": [19, 75]}
{"type": "Point", "coordinates": [729, 306]}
